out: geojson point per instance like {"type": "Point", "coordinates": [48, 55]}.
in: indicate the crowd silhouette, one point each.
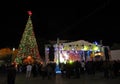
{"type": "Point", "coordinates": [110, 69]}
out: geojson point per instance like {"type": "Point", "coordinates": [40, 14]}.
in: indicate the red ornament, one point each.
{"type": "Point", "coordinates": [30, 13]}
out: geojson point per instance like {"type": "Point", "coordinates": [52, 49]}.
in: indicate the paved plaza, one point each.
{"type": "Point", "coordinates": [84, 79]}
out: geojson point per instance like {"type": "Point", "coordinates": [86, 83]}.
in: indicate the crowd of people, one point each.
{"type": "Point", "coordinates": [110, 69]}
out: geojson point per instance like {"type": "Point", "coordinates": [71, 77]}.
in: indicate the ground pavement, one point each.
{"type": "Point", "coordinates": [84, 79]}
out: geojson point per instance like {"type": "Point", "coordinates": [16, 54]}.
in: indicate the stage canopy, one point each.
{"type": "Point", "coordinates": [79, 45]}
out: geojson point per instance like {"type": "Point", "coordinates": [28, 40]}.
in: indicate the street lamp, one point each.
{"type": "Point", "coordinates": [13, 49]}
{"type": "Point", "coordinates": [13, 54]}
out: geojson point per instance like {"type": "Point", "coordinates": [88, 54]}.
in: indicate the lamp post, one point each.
{"type": "Point", "coordinates": [58, 57]}
{"type": "Point", "coordinates": [58, 49]}
{"type": "Point", "coordinates": [12, 59]}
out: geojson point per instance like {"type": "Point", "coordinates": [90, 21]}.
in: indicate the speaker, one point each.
{"type": "Point", "coordinates": [51, 53]}
{"type": "Point", "coordinates": [106, 52]}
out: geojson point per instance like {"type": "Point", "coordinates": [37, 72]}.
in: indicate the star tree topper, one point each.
{"type": "Point", "coordinates": [29, 13]}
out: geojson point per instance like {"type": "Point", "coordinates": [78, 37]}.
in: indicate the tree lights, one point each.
{"type": "Point", "coordinates": [28, 44]}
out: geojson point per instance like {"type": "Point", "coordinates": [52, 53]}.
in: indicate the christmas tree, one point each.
{"type": "Point", "coordinates": [28, 44]}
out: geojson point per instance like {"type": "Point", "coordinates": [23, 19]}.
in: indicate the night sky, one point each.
{"type": "Point", "coordinates": [90, 20]}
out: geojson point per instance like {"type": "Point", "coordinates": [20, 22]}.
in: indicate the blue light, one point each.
{"type": "Point", "coordinates": [58, 71]}
{"type": "Point", "coordinates": [95, 43]}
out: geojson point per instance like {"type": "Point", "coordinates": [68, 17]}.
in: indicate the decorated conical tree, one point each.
{"type": "Point", "coordinates": [28, 44]}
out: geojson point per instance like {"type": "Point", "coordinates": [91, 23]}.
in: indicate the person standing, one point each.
{"type": "Point", "coordinates": [11, 74]}
{"type": "Point", "coordinates": [28, 70]}
{"type": "Point", "coordinates": [43, 71]}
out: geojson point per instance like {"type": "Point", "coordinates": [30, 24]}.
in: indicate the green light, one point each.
{"type": "Point", "coordinates": [85, 48]}
{"type": "Point", "coordinates": [71, 62]}
{"type": "Point", "coordinates": [95, 48]}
